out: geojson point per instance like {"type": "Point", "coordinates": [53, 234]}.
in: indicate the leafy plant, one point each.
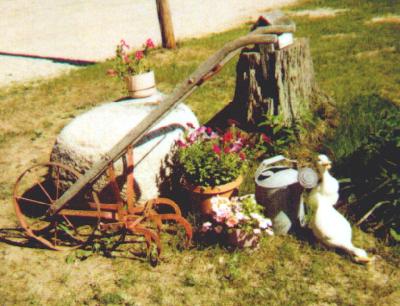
{"type": "Point", "coordinates": [129, 63]}
{"type": "Point", "coordinates": [208, 159]}
{"type": "Point", "coordinates": [280, 134]}
{"type": "Point", "coordinates": [375, 180]}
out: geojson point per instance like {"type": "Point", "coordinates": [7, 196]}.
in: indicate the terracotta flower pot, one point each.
{"type": "Point", "coordinates": [141, 85]}
{"type": "Point", "coordinates": [240, 239]}
{"type": "Point", "coordinates": [201, 196]}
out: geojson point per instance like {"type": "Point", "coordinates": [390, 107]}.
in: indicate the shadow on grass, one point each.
{"type": "Point", "coordinates": [17, 237]}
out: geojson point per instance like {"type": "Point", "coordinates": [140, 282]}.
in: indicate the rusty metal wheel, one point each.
{"type": "Point", "coordinates": [35, 190]}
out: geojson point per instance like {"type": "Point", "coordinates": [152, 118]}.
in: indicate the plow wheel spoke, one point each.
{"type": "Point", "coordinates": [34, 192]}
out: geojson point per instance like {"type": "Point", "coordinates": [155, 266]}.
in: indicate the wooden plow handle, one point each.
{"type": "Point", "coordinates": [261, 35]}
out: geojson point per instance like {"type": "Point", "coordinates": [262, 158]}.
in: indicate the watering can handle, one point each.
{"type": "Point", "coordinates": [270, 161]}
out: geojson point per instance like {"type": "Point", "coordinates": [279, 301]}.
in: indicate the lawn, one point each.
{"type": "Point", "coordinates": [356, 62]}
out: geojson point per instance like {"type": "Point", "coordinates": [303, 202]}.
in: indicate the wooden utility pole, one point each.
{"type": "Point", "coordinates": [166, 27]}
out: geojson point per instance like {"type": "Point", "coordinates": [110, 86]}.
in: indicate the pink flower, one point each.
{"type": "Point", "coordinates": [216, 149]}
{"type": "Point", "coordinates": [227, 137]}
{"type": "Point", "coordinates": [221, 208]}
{"type": "Point", "coordinates": [269, 232]}
{"type": "Point", "coordinates": [218, 229]}
{"type": "Point", "coordinates": [214, 135]}
{"type": "Point", "coordinates": [126, 59]}
{"type": "Point", "coordinates": [257, 231]}
{"type": "Point", "coordinates": [191, 137]}
{"type": "Point", "coordinates": [264, 223]}
{"type": "Point", "coordinates": [265, 138]}
{"type": "Point", "coordinates": [201, 129]}
{"type": "Point", "coordinates": [139, 55]}
{"type": "Point", "coordinates": [149, 43]}
{"type": "Point", "coordinates": [208, 131]}
{"type": "Point", "coordinates": [124, 44]}
{"type": "Point", "coordinates": [221, 213]}
{"type": "Point", "coordinates": [181, 144]}
{"type": "Point", "coordinates": [206, 227]}
{"type": "Point", "coordinates": [240, 216]}
{"type": "Point", "coordinates": [236, 147]}
{"type": "Point", "coordinates": [232, 221]}
{"type": "Point", "coordinates": [220, 219]}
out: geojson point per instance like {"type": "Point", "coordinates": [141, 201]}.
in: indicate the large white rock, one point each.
{"type": "Point", "coordinates": [92, 134]}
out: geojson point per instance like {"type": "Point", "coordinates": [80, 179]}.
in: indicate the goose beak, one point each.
{"type": "Point", "coordinates": [327, 165]}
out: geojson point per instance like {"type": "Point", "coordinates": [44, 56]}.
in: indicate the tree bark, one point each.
{"type": "Point", "coordinates": [274, 82]}
{"type": "Point", "coordinates": [166, 27]}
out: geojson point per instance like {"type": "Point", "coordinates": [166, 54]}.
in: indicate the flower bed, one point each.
{"type": "Point", "coordinates": [238, 221]}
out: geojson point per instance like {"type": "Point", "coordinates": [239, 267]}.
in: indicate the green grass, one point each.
{"type": "Point", "coordinates": [355, 61]}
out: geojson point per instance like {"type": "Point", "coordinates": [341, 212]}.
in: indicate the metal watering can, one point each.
{"type": "Point", "coordinates": [279, 189]}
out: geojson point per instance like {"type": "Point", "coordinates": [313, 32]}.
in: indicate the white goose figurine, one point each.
{"type": "Point", "coordinates": [327, 224]}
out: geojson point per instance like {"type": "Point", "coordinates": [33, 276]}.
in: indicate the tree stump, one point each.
{"type": "Point", "coordinates": [274, 82]}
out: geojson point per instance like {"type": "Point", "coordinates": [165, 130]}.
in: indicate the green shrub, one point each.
{"type": "Point", "coordinates": [374, 170]}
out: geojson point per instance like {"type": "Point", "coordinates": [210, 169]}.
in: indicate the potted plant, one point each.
{"type": "Point", "coordinates": [133, 68]}
{"type": "Point", "coordinates": [238, 220]}
{"type": "Point", "coordinates": [212, 164]}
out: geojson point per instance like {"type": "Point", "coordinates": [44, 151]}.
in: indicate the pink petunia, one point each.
{"type": "Point", "coordinates": [214, 135]}
{"type": "Point", "coordinates": [269, 232]}
{"type": "Point", "coordinates": [124, 44]}
{"type": "Point", "coordinates": [236, 147]}
{"type": "Point", "coordinates": [149, 43]}
{"type": "Point", "coordinates": [209, 131]}
{"type": "Point", "coordinates": [265, 138]}
{"type": "Point", "coordinates": [232, 221]}
{"type": "Point", "coordinates": [216, 149]}
{"type": "Point", "coordinates": [219, 219]}
{"type": "Point", "coordinates": [201, 129]}
{"type": "Point", "coordinates": [257, 231]}
{"type": "Point", "coordinates": [240, 216]}
{"type": "Point", "coordinates": [227, 137]}
{"type": "Point", "coordinates": [181, 144]}
{"type": "Point", "coordinates": [139, 55]}
{"type": "Point", "coordinates": [127, 59]}
{"type": "Point", "coordinates": [191, 137]}
{"type": "Point", "coordinates": [206, 227]}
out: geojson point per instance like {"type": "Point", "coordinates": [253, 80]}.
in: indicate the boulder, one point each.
{"type": "Point", "coordinates": [92, 134]}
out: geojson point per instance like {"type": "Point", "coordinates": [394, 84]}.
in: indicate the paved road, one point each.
{"type": "Point", "coordinates": [90, 29]}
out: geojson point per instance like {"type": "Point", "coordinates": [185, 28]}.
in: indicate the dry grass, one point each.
{"type": "Point", "coordinates": [386, 19]}
{"type": "Point", "coordinates": [322, 12]}
{"type": "Point", "coordinates": [283, 271]}
{"type": "Point", "coordinates": [377, 52]}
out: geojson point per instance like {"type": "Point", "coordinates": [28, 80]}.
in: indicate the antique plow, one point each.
{"type": "Point", "coordinates": [49, 212]}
